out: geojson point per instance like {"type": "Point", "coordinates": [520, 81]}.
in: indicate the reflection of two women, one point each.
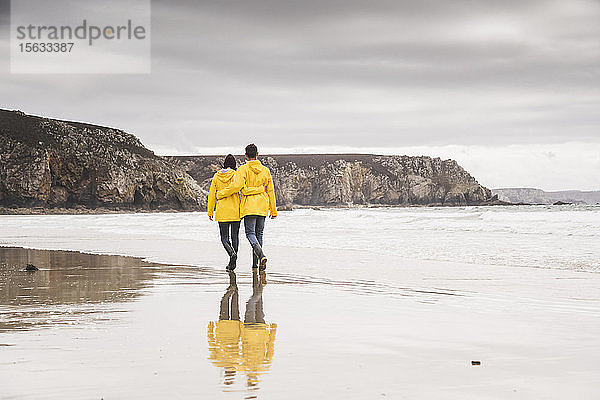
{"type": "Point", "coordinates": [242, 347]}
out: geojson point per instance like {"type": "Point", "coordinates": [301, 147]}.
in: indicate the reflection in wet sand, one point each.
{"type": "Point", "coordinates": [66, 283]}
{"type": "Point", "coordinates": [242, 347]}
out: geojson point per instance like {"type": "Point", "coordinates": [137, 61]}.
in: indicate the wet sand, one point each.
{"type": "Point", "coordinates": [91, 326]}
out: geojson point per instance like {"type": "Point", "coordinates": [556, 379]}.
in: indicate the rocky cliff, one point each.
{"type": "Point", "coordinates": [50, 163]}
{"type": "Point", "coordinates": [538, 196]}
{"type": "Point", "coordinates": [59, 164]}
{"type": "Point", "coordinates": [351, 179]}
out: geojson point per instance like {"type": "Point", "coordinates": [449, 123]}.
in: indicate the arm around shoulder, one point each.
{"type": "Point", "coordinates": [249, 191]}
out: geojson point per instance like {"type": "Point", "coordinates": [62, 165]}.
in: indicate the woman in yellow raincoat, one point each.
{"type": "Point", "coordinates": [227, 209]}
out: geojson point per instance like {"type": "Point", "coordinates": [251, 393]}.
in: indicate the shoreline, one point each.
{"type": "Point", "coordinates": [475, 235]}
{"type": "Point", "coordinates": [108, 211]}
{"type": "Point", "coordinates": [164, 262]}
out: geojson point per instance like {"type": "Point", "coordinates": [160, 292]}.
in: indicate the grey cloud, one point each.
{"type": "Point", "coordinates": [4, 10]}
{"type": "Point", "coordinates": [407, 51]}
{"type": "Point", "coordinates": [352, 73]}
{"type": "Point", "coordinates": [4, 35]}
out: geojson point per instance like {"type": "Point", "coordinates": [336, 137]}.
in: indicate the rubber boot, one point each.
{"type": "Point", "coordinates": [232, 256]}
{"type": "Point", "coordinates": [262, 260]}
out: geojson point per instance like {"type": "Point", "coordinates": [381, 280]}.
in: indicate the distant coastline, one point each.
{"type": "Point", "coordinates": [538, 196]}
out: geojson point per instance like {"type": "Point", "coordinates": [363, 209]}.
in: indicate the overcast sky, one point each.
{"type": "Point", "coordinates": [511, 89]}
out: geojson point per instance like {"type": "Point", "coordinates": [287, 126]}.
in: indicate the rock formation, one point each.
{"type": "Point", "coordinates": [538, 196]}
{"type": "Point", "coordinates": [59, 164]}
{"type": "Point", "coordinates": [357, 179]}
{"type": "Point", "coordinates": [50, 163]}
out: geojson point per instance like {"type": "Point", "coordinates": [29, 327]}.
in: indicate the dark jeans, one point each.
{"type": "Point", "coordinates": [225, 227]}
{"type": "Point", "coordinates": [254, 226]}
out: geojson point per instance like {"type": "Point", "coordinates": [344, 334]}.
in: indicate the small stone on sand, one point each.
{"type": "Point", "coordinates": [31, 267]}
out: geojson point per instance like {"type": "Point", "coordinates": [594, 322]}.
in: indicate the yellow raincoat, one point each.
{"type": "Point", "coordinates": [255, 182]}
{"type": "Point", "coordinates": [228, 208]}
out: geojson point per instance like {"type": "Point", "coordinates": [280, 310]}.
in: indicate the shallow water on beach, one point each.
{"type": "Point", "coordinates": [561, 237]}
{"type": "Point", "coordinates": [355, 304]}
{"type": "Point", "coordinates": [69, 287]}
{"type": "Point", "coordinates": [92, 326]}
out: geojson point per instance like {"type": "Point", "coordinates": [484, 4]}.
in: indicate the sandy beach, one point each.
{"type": "Point", "coordinates": [416, 181]}
{"type": "Point", "coordinates": [336, 323]}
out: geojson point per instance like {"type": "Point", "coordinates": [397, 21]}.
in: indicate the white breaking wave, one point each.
{"type": "Point", "coordinates": [564, 237]}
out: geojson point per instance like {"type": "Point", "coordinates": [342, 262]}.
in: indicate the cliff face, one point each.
{"type": "Point", "coordinates": [345, 179]}
{"type": "Point", "coordinates": [51, 163]}
{"type": "Point", "coordinates": [522, 195]}
{"type": "Point", "coordinates": [538, 196]}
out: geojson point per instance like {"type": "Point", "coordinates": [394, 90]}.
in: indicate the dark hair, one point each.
{"type": "Point", "coordinates": [229, 162]}
{"type": "Point", "coordinates": [251, 150]}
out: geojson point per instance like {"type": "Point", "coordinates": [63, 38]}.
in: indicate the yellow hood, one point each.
{"type": "Point", "coordinates": [225, 175]}
{"type": "Point", "coordinates": [259, 173]}
{"type": "Point", "coordinates": [255, 166]}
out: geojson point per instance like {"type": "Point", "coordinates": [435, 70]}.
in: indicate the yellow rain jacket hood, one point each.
{"type": "Point", "coordinates": [255, 182]}
{"type": "Point", "coordinates": [228, 208]}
